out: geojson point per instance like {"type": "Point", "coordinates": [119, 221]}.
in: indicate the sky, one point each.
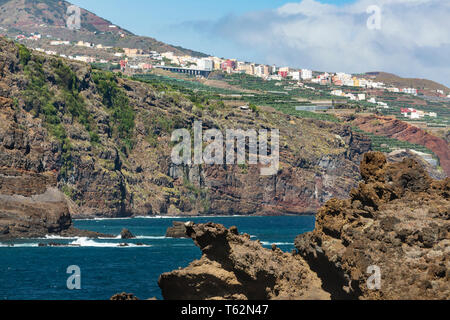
{"type": "Point", "coordinates": [410, 38]}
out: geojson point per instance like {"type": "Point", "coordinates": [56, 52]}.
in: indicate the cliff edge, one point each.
{"type": "Point", "coordinates": [396, 221]}
{"type": "Point", "coordinates": [388, 241]}
{"type": "Point", "coordinates": [234, 268]}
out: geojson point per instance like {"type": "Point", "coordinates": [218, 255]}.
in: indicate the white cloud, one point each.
{"type": "Point", "coordinates": [414, 39]}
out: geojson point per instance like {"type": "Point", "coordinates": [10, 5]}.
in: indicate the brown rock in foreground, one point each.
{"type": "Point", "coordinates": [234, 268]}
{"type": "Point", "coordinates": [397, 220]}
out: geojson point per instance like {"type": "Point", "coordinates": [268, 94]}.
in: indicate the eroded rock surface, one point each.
{"type": "Point", "coordinates": [234, 268]}
{"type": "Point", "coordinates": [397, 220]}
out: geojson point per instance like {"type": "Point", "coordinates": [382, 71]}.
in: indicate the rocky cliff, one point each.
{"type": "Point", "coordinates": [395, 226]}
{"type": "Point", "coordinates": [234, 268]}
{"type": "Point", "coordinates": [396, 220]}
{"type": "Point", "coordinates": [107, 140]}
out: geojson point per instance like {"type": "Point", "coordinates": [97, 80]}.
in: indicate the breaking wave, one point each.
{"type": "Point", "coordinates": [86, 242]}
{"type": "Point", "coordinates": [267, 243]}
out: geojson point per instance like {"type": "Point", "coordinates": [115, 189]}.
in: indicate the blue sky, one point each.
{"type": "Point", "coordinates": [325, 35]}
{"type": "Point", "coordinates": [165, 20]}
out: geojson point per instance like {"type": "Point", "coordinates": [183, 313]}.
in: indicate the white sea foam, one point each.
{"type": "Point", "coordinates": [137, 237]}
{"type": "Point", "coordinates": [21, 245]}
{"type": "Point", "coordinates": [267, 243]}
{"type": "Point", "coordinates": [86, 242]}
{"type": "Point", "coordinates": [111, 238]}
{"type": "Point", "coordinates": [152, 237]}
{"type": "Point", "coordinates": [56, 237]}
{"type": "Point", "coordinates": [100, 219]}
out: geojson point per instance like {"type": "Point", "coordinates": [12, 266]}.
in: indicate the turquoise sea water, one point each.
{"type": "Point", "coordinates": [30, 272]}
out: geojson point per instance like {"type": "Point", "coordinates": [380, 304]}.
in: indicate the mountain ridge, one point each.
{"type": "Point", "coordinates": [393, 79]}
{"type": "Point", "coordinates": [48, 17]}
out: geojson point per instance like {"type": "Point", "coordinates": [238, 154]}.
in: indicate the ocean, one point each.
{"type": "Point", "coordinates": [30, 272]}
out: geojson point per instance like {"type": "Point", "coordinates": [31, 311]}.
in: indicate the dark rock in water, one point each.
{"type": "Point", "coordinates": [178, 230]}
{"type": "Point", "coordinates": [124, 297]}
{"type": "Point", "coordinates": [235, 268]}
{"type": "Point", "coordinates": [126, 234]}
{"type": "Point", "coordinates": [74, 232]}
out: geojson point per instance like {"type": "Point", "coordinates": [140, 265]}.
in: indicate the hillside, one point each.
{"type": "Point", "coordinates": [105, 141]}
{"type": "Point", "coordinates": [391, 128]}
{"type": "Point", "coordinates": [394, 80]}
{"type": "Point", "coordinates": [48, 17]}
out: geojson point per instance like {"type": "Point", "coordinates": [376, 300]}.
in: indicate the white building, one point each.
{"type": "Point", "coordinates": [205, 64]}
{"type": "Point", "coordinates": [275, 77]}
{"type": "Point", "coordinates": [410, 91]}
{"type": "Point", "coordinates": [414, 115]}
{"type": "Point", "coordinates": [59, 43]}
{"type": "Point", "coordinates": [306, 74]}
{"type": "Point", "coordinates": [295, 75]}
{"type": "Point", "coordinates": [351, 96]}
{"type": "Point", "coordinates": [383, 104]}
{"type": "Point", "coordinates": [338, 93]}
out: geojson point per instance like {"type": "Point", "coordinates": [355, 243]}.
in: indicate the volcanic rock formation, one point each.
{"type": "Point", "coordinates": [395, 223]}
{"type": "Point", "coordinates": [234, 268]}
{"type": "Point", "coordinates": [396, 220]}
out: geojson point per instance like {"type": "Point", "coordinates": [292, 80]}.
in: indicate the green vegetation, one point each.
{"type": "Point", "coordinates": [24, 55]}
{"type": "Point", "coordinates": [201, 95]}
{"type": "Point", "coordinates": [52, 104]}
{"type": "Point", "coordinates": [197, 193]}
{"type": "Point", "coordinates": [115, 99]}
{"type": "Point", "coordinates": [105, 66]}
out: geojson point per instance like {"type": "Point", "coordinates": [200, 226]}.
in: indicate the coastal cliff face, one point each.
{"type": "Point", "coordinates": [30, 203]}
{"type": "Point", "coordinates": [107, 140]}
{"type": "Point", "coordinates": [234, 268]}
{"type": "Point", "coordinates": [396, 222]}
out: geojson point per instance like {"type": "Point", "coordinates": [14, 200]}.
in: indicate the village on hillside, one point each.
{"type": "Point", "coordinates": [362, 89]}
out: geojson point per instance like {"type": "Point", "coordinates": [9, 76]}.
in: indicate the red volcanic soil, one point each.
{"type": "Point", "coordinates": [400, 130]}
